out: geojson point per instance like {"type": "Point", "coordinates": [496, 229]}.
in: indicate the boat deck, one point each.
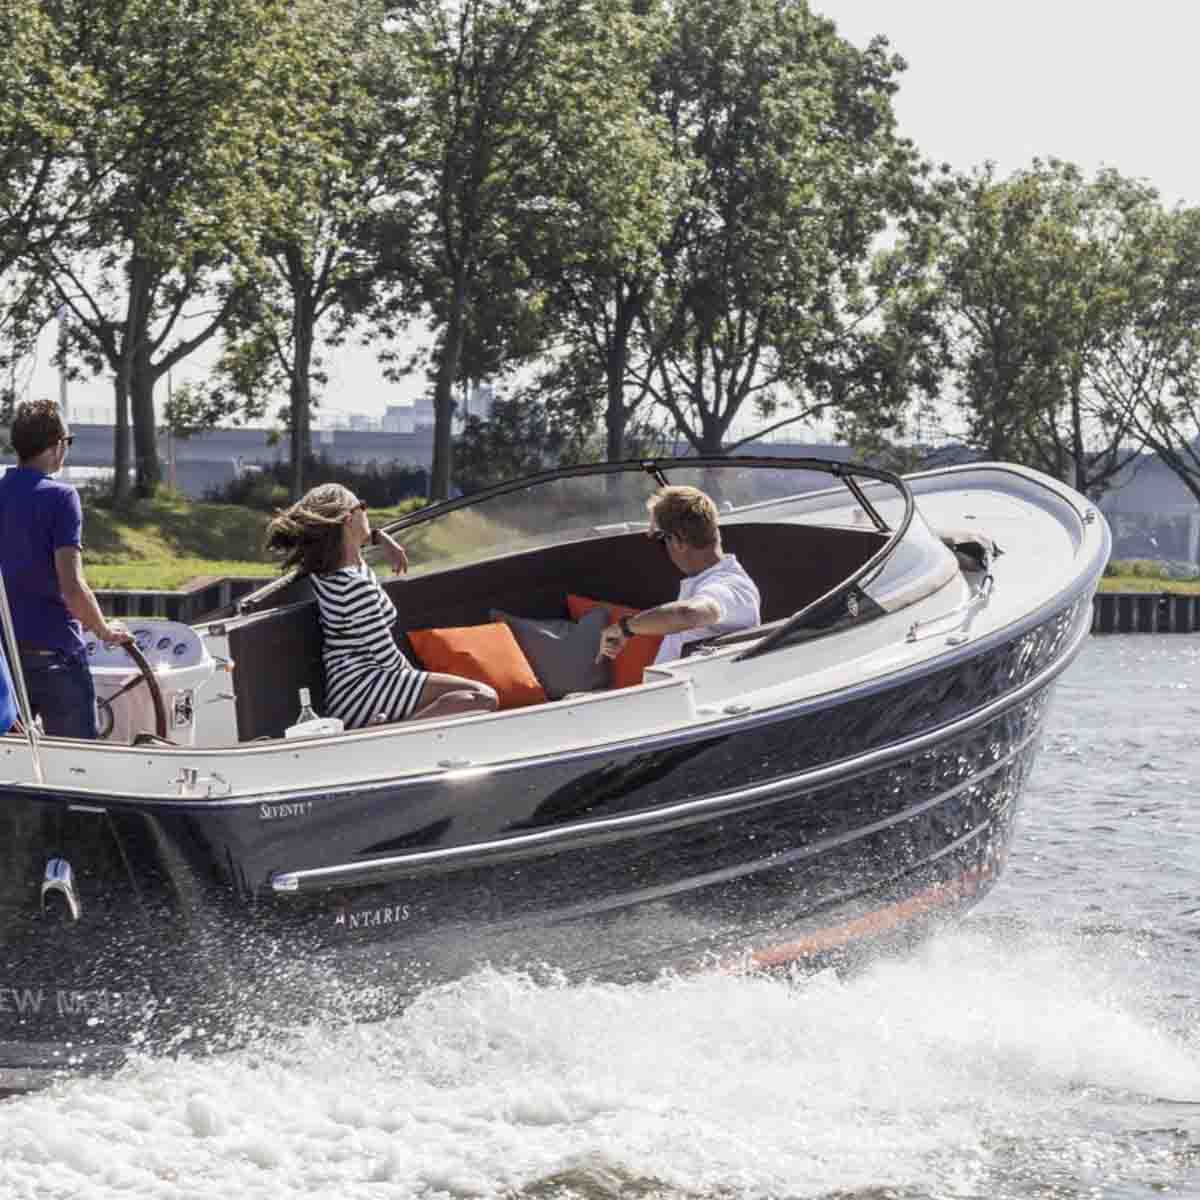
{"type": "Point", "coordinates": [1042, 533]}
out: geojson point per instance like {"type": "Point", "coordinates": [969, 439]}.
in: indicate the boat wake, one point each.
{"type": "Point", "coordinates": [978, 1066]}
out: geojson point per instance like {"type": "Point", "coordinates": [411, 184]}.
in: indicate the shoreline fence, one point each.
{"type": "Point", "coordinates": [203, 599]}
{"type": "Point", "coordinates": [1146, 612]}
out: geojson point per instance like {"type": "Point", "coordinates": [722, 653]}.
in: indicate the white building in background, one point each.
{"type": "Point", "coordinates": [420, 415]}
{"type": "Point", "coordinates": [423, 414]}
{"type": "Point", "coordinates": [480, 400]}
{"type": "Point", "coordinates": [398, 419]}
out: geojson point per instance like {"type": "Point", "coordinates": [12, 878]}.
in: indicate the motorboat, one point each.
{"type": "Point", "coordinates": [837, 780]}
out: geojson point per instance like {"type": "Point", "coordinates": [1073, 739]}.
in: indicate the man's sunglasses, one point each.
{"type": "Point", "coordinates": [659, 536]}
{"type": "Point", "coordinates": [68, 439]}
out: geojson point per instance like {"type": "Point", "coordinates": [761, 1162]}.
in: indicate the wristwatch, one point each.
{"type": "Point", "coordinates": [623, 625]}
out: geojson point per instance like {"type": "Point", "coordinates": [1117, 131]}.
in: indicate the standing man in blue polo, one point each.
{"type": "Point", "coordinates": [41, 532]}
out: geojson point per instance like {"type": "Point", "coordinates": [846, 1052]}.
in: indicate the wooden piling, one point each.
{"type": "Point", "coordinates": [1146, 612]}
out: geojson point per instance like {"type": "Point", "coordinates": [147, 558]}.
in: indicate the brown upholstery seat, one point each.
{"type": "Point", "coordinates": [277, 651]}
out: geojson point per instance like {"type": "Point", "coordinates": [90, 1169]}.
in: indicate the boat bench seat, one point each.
{"type": "Point", "coordinates": [278, 651]}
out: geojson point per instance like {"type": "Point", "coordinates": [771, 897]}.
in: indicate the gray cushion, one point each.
{"type": "Point", "coordinates": [562, 653]}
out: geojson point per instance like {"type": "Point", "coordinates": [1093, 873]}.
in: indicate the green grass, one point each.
{"type": "Point", "coordinates": [1145, 575]}
{"type": "Point", "coordinates": [171, 576]}
{"type": "Point", "coordinates": [165, 542]}
{"type": "Point", "coordinates": [1139, 583]}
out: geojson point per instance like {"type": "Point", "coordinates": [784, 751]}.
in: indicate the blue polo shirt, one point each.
{"type": "Point", "coordinates": [8, 697]}
{"type": "Point", "coordinates": [38, 515]}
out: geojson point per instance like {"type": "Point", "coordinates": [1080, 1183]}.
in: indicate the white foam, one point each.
{"type": "Point", "coordinates": [914, 1070]}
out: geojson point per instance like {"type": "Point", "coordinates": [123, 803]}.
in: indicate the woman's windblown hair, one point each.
{"type": "Point", "coordinates": [309, 533]}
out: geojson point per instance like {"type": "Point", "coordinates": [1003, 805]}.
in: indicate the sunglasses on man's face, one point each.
{"type": "Point", "coordinates": [659, 536]}
{"type": "Point", "coordinates": [361, 506]}
{"type": "Point", "coordinates": [68, 439]}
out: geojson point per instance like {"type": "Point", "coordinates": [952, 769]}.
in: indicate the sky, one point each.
{"type": "Point", "coordinates": [1097, 83]}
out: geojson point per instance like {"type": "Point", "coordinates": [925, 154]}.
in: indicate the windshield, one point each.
{"type": "Point", "coordinates": [545, 513]}
{"type": "Point", "coordinates": [601, 501]}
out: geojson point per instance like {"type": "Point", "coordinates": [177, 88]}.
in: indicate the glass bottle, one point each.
{"type": "Point", "coordinates": [306, 709]}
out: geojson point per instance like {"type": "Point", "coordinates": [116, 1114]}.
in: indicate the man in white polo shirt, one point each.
{"type": "Point", "coordinates": [716, 595]}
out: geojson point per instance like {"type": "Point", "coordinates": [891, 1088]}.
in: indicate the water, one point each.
{"type": "Point", "coordinates": [1049, 1048]}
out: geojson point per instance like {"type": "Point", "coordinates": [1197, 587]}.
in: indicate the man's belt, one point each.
{"type": "Point", "coordinates": [37, 652]}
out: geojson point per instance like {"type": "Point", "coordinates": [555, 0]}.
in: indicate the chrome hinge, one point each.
{"type": "Point", "coordinates": [190, 782]}
{"type": "Point", "coordinates": [962, 615]}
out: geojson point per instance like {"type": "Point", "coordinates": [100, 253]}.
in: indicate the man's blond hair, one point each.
{"type": "Point", "coordinates": [687, 513]}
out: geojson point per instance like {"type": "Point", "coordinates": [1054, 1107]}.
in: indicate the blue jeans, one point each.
{"type": "Point", "coordinates": [61, 692]}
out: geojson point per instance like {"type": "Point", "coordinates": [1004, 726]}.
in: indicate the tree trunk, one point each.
{"type": "Point", "coordinates": [121, 490]}
{"type": "Point", "coordinates": [301, 439]}
{"type": "Point", "coordinates": [147, 467]}
{"type": "Point", "coordinates": [137, 382]}
{"type": "Point", "coordinates": [616, 414]}
{"type": "Point", "coordinates": [1082, 472]}
{"type": "Point", "coordinates": [443, 393]}
{"type": "Point", "coordinates": [712, 433]}
{"type": "Point", "coordinates": [615, 420]}
{"type": "Point", "coordinates": [304, 322]}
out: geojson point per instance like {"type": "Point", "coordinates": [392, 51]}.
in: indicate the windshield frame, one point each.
{"type": "Point", "coordinates": [659, 470]}
{"type": "Point", "coordinates": [656, 468]}
{"type": "Point", "coordinates": [762, 638]}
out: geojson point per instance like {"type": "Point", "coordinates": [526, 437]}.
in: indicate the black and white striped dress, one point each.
{"type": "Point", "coordinates": [365, 671]}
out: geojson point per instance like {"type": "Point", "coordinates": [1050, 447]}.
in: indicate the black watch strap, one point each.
{"type": "Point", "coordinates": [623, 624]}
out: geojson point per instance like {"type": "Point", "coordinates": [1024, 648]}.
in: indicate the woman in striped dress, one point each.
{"type": "Point", "coordinates": [367, 677]}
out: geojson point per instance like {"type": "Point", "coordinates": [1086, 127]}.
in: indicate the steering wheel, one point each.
{"type": "Point", "coordinates": [150, 679]}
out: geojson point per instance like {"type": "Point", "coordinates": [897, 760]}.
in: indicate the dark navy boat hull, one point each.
{"type": "Point", "coordinates": [813, 833]}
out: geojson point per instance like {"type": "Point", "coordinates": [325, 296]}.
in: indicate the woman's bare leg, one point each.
{"type": "Point", "coordinates": [452, 696]}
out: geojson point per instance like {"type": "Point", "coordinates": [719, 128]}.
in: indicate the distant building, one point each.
{"type": "Point", "coordinates": [423, 414]}
{"type": "Point", "coordinates": [398, 419]}
{"type": "Point", "coordinates": [480, 400]}
{"type": "Point", "coordinates": [1152, 513]}
{"type": "Point", "coordinates": [208, 461]}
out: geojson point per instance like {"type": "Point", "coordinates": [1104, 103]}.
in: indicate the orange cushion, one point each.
{"type": "Point", "coordinates": [485, 653]}
{"type": "Point", "coordinates": [637, 653]}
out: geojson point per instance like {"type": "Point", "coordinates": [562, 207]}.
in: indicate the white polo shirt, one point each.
{"type": "Point", "coordinates": [736, 595]}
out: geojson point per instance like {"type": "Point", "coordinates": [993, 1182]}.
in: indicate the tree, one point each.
{"type": "Point", "coordinates": [1150, 368]}
{"type": "Point", "coordinates": [40, 98]}
{"type": "Point", "coordinates": [520, 437]}
{"type": "Point", "coordinates": [615, 199]}
{"type": "Point", "coordinates": [1039, 283]}
{"type": "Point", "coordinates": [887, 378]}
{"type": "Point", "coordinates": [794, 170]}
{"type": "Point", "coordinates": [192, 102]}
{"type": "Point", "coordinates": [505, 90]}
{"type": "Point", "coordinates": [312, 266]}
{"type": "Point", "coordinates": [44, 95]}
